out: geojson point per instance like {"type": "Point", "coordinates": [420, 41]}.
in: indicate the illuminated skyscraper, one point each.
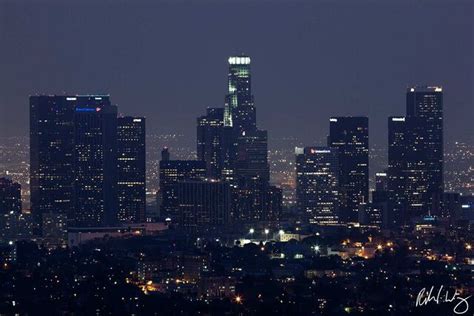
{"type": "Point", "coordinates": [351, 136]}
{"type": "Point", "coordinates": [317, 185]}
{"type": "Point", "coordinates": [424, 150]}
{"type": "Point", "coordinates": [236, 151]}
{"type": "Point", "coordinates": [210, 129]}
{"type": "Point", "coordinates": [415, 156]}
{"type": "Point", "coordinates": [239, 110]}
{"type": "Point", "coordinates": [131, 186]}
{"type": "Point", "coordinates": [51, 157]}
{"type": "Point", "coordinates": [95, 162]}
{"type": "Point", "coordinates": [396, 185]}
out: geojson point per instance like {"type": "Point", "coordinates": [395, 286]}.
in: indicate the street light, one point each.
{"type": "Point", "coordinates": [251, 231]}
{"type": "Point", "coordinates": [238, 299]}
{"type": "Point", "coordinates": [267, 231]}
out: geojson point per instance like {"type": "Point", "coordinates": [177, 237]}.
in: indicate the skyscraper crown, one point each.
{"type": "Point", "coordinates": [239, 60]}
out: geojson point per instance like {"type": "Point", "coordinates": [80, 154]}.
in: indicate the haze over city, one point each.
{"type": "Point", "coordinates": [311, 59]}
{"type": "Point", "coordinates": [236, 157]}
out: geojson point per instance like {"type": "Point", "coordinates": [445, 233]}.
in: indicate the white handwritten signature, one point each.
{"type": "Point", "coordinates": [443, 296]}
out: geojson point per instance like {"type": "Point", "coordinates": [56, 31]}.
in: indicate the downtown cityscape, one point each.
{"type": "Point", "coordinates": [103, 214]}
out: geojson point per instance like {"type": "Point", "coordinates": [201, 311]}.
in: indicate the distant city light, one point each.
{"type": "Point", "coordinates": [238, 299]}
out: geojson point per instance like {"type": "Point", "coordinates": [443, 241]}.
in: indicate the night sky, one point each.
{"type": "Point", "coordinates": [167, 60]}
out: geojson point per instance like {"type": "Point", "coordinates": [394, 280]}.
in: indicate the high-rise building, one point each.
{"type": "Point", "coordinates": [235, 150]}
{"type": "Point", "coordinates": [10, 208]}
{"type": "Point", "coordinates": [95, 162]}
{"type": "Point", "coordinates": [317, 183]}
{"type": "Point", "coordinates": [351, 136]}
{"type": "Point", "coordinates": [396, 184]}
{"type": "Point", "coordinates": [252, 155]}
{"type": "Point", "coordinates": [239, 110]}
{"type": "Point", "coordinates": [131, 178]}
{"type": "Point", "coordinates": [51, 157]}
{"type": "Point", "coordinates": [202, 204]}
{"type": "Point", "coordinates": [173, 172]}
{"type": "Point", "coordinates": [210, 129]}
{"type": "Point", "coordinates": [415, 156]}
{"type": "Point", "coordinates": [424, 149]}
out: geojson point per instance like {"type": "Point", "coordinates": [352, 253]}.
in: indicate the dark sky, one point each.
{"type": "Point", "coordinates": [167, 60]}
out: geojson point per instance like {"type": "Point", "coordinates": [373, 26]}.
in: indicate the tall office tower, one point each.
{"type": "Point", "coordinates": [239, 110]}
{"type": "Point", "coordinates": [95, 162]}
{"type": "Point", "coordinates": [251, 177]}
{"type": "Point", "coordinates": [171, 173]}
{"type": "Point", "coordinates": [210, 129]}
{"type": "Point", "coordinates": [235, 150]}
{"type": "Point", "coordinates": [396, 170]}
{"type": "Point", "coordinates": [424, 150]}
{"type": "Point", "coordinates": [131, 180]}
{"type": "Point", "coordinates": [351, 136]}
{"type": "Point", "coordinates": [252, 155]}
{"type": "Point", "coordinates": [317, 183]}
{"type": "Point", "coordinates": [202, 204]}
{"type": "Point", "coordinates": [10, 209]}
{"type": "Point", "coordinates": [51, 158]}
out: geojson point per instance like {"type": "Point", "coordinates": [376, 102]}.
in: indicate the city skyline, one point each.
{"type": "Point", "coordinates": [88, 165]}
{"type": "Point", "coordinates": [305, 180]}
{"type": "Point", "coordinates": [314, 82]}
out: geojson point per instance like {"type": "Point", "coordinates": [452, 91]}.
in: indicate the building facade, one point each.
{"type": "Point", "coordinates": [95, 162]}
{"type": "Point", "coordinates": [202, 204]}
{"type": "Point", "coordinates": [239, 109]}
{"type": "Point", "coordinates": [131, 165]}
{"type": "Point", "coordinates": [350, 135]}
{"type": "Point", "coordinates": [51, 158]}
{"type": "Point", "coordinates": [317, 184]}
{"type": "Point", "coordinates": [424, 149]}
{"type": "Point", "coordinates": [210, 129]}
{"type": "Point", "coordinates": [173, 172]}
